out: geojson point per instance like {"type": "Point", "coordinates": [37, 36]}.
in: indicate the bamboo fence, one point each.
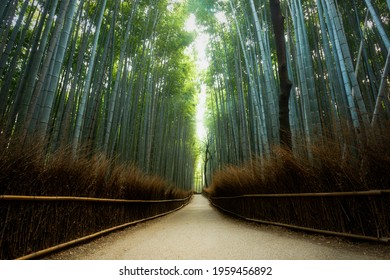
{"type": "Point", "coordinates": [33, 226]}
{"type": "Point", "coordinates": [359, 215]}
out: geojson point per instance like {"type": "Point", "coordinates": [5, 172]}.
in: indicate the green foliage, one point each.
{"type": "Point", "coordinates": [243, 82]}
{"type": "Point", "coordinates": [127, 100]}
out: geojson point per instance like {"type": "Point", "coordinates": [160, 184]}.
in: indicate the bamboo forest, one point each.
{"type": "Point", "coordinates": [160, 99]}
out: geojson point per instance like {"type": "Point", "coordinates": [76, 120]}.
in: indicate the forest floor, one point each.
{"type": "Point", "coordinates": [200, 232]}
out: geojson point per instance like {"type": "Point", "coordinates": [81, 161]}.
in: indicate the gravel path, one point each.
{"type": "Point", "coordinates": [200, 232]}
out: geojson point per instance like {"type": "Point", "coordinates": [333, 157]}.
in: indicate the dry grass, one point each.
{"type": "Point", "coordinates": [329, 170]}
{"type": "Point", "coordinates": [29, 171]}
{"type": "Point", "coordinates": [31, 226]}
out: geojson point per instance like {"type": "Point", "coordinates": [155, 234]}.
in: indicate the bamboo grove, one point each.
{"type": "Point", "coordinates": [113, 76]}
{"type": "Point", "coordinates": [337, 60]}
{"type": "Point", "coordinates": [106, 76]}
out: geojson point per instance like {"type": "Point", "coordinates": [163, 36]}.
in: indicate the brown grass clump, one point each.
{"type": "Point", "coordinates": [29, 171]}
{"type": "Point", "coordinates": [329, 170]}
{"type": "Point", "coordinates": [282, 173]}
{"type": "Point", "coordinates": [19, 167]}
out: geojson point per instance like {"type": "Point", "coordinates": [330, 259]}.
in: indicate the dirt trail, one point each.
{"type": "Point", "coordinates": [199, 231]}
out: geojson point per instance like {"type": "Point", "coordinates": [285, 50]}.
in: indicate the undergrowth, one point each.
{"type": "Point", "coordinates": [330, 168]}
{"type": "Point", "coordinates": [28, 170]}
